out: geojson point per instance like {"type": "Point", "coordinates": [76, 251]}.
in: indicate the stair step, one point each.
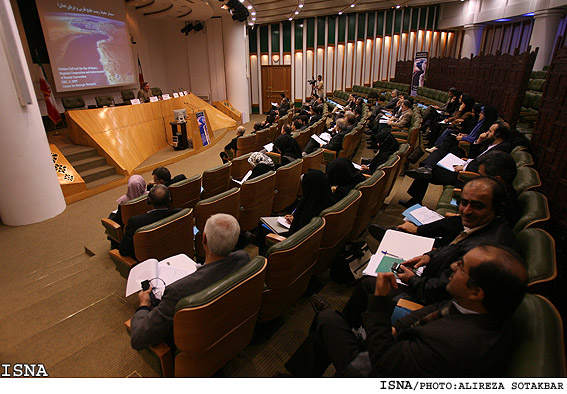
{"type": "Point", "coordinates": [78, 152]}
{"type": "Point", "coordinates": [103, 181]}
{"type": "Point", "coordinates": [88, 163]}
{"type": "Point", "coordinates": [94, 174]}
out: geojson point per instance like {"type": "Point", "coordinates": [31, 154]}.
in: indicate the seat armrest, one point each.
{"type": "Point", "coordinates": [112, 229]}
{"type": "Point", "coordinates": [162, 351]}
{"type": "Point", "coordinates": [272, 239]}
{"type": "Point", "coordinates": [329, 155]}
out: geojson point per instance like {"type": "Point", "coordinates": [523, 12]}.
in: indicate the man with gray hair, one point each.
{"type": "Point", "coordinates": [153, 324]}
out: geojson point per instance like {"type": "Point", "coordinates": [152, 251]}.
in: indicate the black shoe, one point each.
{"type": "Point", "coordinates": [319, 304]}
{"type": "Point", "coordinates": [424, 173]}
{"type": "Point", "coordinates": [409, 203]}
{"type": "Point", "coordinates": [377, 231]}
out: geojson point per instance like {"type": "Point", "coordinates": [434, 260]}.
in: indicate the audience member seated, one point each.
{"type": "Point", "coordinates": [434, 113]}
{"type": "Point", "coordinates": [159, 198]}
{"type": "Point", "coordinates": [460, 119]}
{"type": "Point", "coordinates": [145, 93]}
{"type": "Point", "coordinates": [152, 324]}
{"type": "Point", "coordinates": [467, 336]}
{"type": "Point", "coordinates": [497, 138]}
{"type": "Point", "coordinates": [284, 106]}
{"type": "Point", "coordinates": [387, 144]}
{"type": "Point", "coordinates": [287, 146]}
{"type": "Point", "coordinates": [136, 188]}
{"type": "Point", "coordinates": [271, 118]}
{"type": "Point", "coordinates": [400, 120]}
{"type": "Point", "coordinates": [482, 203]}
{"type": "Point", "coordinates": [261, 163]}
{"type": "Point", "coordinates": [232, 145]}
{"type": "Point", "coordinates": [343, 177]}
{"type": "Point", "coordinates": [162, 176]}
{"type": "Point", "coordinates": [316, 114]}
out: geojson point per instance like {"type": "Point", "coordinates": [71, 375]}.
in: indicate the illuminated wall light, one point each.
{"type": "Point", "coordinates": [276, 58]}
{"type": "Point", "coordinates": [301, 25]}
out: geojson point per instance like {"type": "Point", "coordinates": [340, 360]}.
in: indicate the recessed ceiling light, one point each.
{"type": "Point", "coordinates": [253, 13]}
{"type": "Point", "coordinates": [398, 6]}
{"type": "Point", "coordinates": [352, 6]}
{"type": "Point", "coordinates": [249, 7]}
{"type": "Point", "coordinates": [296, 12]}
{"type": "Point", "coordinates": [253, 19]}
{"type": "Point", "coordinates": [250, 24]}
{"type": "Point", "coordinates": [242, 1]}
{"type": "Point", "coordinates": [290, 19]}
{"type": "Point", "coordinates": [301, 6]}
{"type": "Point", "coordinates": [340, 12]}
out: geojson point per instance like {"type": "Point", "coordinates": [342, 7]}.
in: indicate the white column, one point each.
{"type": "Point", "coordinates": [235, 65]}
{"type": "Point", "coordinates": [30, 190]}
{"type": "Point", "coordinates": [471, 40]}
{"type": "Point", "coordinates": [546, 23]}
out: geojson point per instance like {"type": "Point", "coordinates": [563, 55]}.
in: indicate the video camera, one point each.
{"type": "Point", "coordinates": [312, 81]}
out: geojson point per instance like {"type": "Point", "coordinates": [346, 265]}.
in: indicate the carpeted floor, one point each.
{"type": "Point", "coordinates": [64, 303]}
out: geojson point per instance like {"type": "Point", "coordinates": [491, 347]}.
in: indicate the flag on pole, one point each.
{"type": "Point", "coordinates": [140, 73]}
{"type": "Point", "coordinates": [52, 110]}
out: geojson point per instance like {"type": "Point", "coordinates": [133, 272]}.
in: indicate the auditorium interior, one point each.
{"type": "Point", "coordinates": [68, 147]}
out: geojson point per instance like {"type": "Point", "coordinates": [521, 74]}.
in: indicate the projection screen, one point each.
{"type": "Point", "coordinates": [88, 43]}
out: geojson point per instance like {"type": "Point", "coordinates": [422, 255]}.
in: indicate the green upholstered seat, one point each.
{"type": "Point", "coordinates": [522, 158]}
{"type": "Point", "coordinates": [527, 178]}
{"type": "Point", "coordinates": [534, 210]}
{"type": "Point", "coordinates": [538, 347]}
{"type": "Point", "coordinates": [290, 265]}
{"type": "Point", "coordinates": [538, 249]}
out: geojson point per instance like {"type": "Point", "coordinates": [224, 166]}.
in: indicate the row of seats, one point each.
{"type": "Point", "coordinates": [77, 102]}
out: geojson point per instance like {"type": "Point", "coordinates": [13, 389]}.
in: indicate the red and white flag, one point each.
{"type": "Point", "coordinates": [52, 110]}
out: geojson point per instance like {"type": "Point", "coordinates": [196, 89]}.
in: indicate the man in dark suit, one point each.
{"type": "Point", "coordinates": [482, 202]}
{"type": "Point", "coordinates": [160, 198]}
{"type": "Point", "coordinates": [496, 138]}
{"type": "Point", "coordinates": [162, 176]}
{"type": "Point", "coordinates": [233, 144]}
{"type": "Point", "coordinates": [465, 337]}
{"type": "Point", "coordinates": [150, 325]}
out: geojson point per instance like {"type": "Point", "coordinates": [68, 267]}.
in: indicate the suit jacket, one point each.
{"type": "Point", "coordinates": [135, 222]}
{"type": "Point", "coordinates": [151, 326]}
{"type": "Point", "coordinates": [457, 345]}
{"type": "Point", "coordinates": [144, 96]}
{"type": "Point", "coordinates": [232, 145]}
{"type": "Point", "coordinates": [404, 119]}
{"type": "Point", "coordinates": [336, 142]}
{"type": "Point", "coordinates": [477, 150]}
{"type": "Point", "coordinates": [430, 287]}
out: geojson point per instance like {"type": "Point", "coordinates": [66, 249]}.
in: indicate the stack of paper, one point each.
{"type": "Point", "coordinates": [419, 215]}
{"type": "Point", "coordinates": [450, 160]}
{"type": "Point", "coordinates": [243, 179]}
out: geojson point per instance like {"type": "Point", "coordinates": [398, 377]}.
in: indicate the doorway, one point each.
{"type": "Point", "coordinates": [275, 80]}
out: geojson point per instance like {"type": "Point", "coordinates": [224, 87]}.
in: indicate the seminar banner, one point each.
{"type": "Point", "coordinates": [419, 68]}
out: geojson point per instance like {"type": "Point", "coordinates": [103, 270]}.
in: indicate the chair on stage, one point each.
{"type": "Point", "coordinates": [339, 219]}
{"type": "Point", "coordinates": [136, 206]}
{"type": "Point", "coordinates": [288, 181]}
{"type": "Point", "coordinates": [185, 193]}
{"type": "Point", "coordinates": [212, 326]}
{"type": "Point", "coordinates": [156, 91]}
{"type": "Point", "coordinates": [290, 264]}
{"type": "Point", "coordinates": [215, 180]}
{"type": "Point", "coordinates": [225, 202]}
{"type": "Point", "coordinates": [370, 189]}
{"type": "Point", "coordinates": [104, 101]}
{"type": "Point", "coordinates": [240, 166]}
{"type": "Point", "coordinates": [127, 95]}
{"type": "Point", "coordinates": [256, 200]}
{"type": "Point", "coordinates": [159, 240]}
{"type": "Point", "coordinates": [73, 102]}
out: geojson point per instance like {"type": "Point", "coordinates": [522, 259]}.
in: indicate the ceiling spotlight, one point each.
{"type": "Point", "coordinates": [251, 24]}
{"type": "Point", "coordinates": [398, 6]}
{"type": "Point", "coordinates": [249, 7]}
{"type": "Point", "coordinates": [301, 25]}
{"type": "Point", "coordinates": [253, 19]}
{"type": "Point", "coordinates": [296, 12]}
{"type": "Point", "coordinates": [253, 13]}
{"type": "Point", "coordinates": [352, 6]}
{"type": "Point", "coordinates": [340, 12]}
{"type": "Point", "coordinates": [290, 18]}
{"type": "Point", "coordinates": [242, 1]}
{"type": "Point", "coordinates": [301, 6]}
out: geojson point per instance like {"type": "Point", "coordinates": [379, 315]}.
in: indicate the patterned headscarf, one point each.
{"type": "Point", "coordinates": [260, 158]}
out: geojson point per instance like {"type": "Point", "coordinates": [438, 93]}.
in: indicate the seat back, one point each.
{"type": "Point", "coordinates": [312, 160]}
{"type": "Point", "coordinates": [522, 158]}
{"type": "Point", "coordinates": [290, 264]}
{"type": "Point", "coordinates": [389, 168]}
{"type": "Point", "coordinates": [156, 91]}
{"type": "Point", "coordinates": [212, 326]}
{"type": "Point", "coordinates": [538, 249]}
{"type": "Point", "coordinates": [215, 180]}
{"type": "Point", "coordinates": [261, 138]}
{"type": "Point", "coordinates": [225, 202]}
{"type": "Point", "coordinates": [166, 237]}
{"type": "Point", "coordinates": [104, 101]}
{"type": "Point", "coordinates": [370, 190]}
{"type": "Point", "coordinates": [302, 138]}
{"type": "Point", "coordinates": [135, 206]}
{"type": "Point", "coordinates": [535, 210]}
{"type": "Point", "coordinates": [273, 132]}
{"type": "Point", "coordinates": [245, 144]}
{"type": "Point", "coordinates": [527, 178]}
{"type": "Point", "coordinates": [127, 95]}
{"type": "Point", "coordinates": [339, 219]}
{"type": "Point", "coordinates": [538, 348]}
{"type": "Point", "coordinates": [240, 166]}
{"type": "Point", "coordinates": [73, 102]}
{"type": "Point", "coordinates": [402, 152]}
{"type": "Point", "coordinates": [256, 200]}
{"type": "Point", "coordinates": [288, 179]}
{"type": "Point", "coordinates": [186, 193]}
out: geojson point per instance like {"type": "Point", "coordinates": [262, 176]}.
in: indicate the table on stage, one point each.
{"type": "Point", "coordinates": [127, 135]}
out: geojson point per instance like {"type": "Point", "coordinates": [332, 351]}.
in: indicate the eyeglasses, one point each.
{"type": "Point", "coordinates": [460, 264]}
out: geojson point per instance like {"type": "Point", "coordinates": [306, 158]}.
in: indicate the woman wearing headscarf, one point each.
{"type": "Point", "coordinates": [462, 117]}
{"type": "Point", "coordinates": [136, 188]}
{"type": "Point", "coordinates": [287, 146]}
{"type": "Point", "coordinates": [342, 177]}
{"type": "Point", "coordinates": [261, 163]}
